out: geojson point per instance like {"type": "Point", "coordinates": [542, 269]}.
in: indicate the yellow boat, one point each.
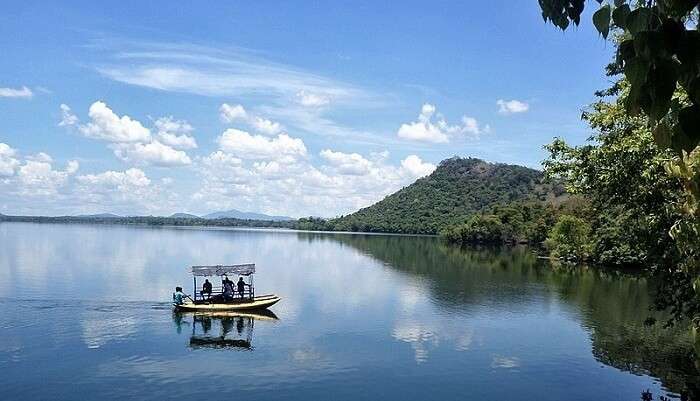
{"type": "Point", "coordinates": [260, 302]}
{"type": "Point", "coordinates": [226, 297]}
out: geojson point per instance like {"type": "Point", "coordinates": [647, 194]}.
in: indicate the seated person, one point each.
{"type": "Point", "coordinates": [228, 289]}
{"type": "Point", "coordinates": [178, 296]}
{"type": "Point", "coordinates": [206, 289]}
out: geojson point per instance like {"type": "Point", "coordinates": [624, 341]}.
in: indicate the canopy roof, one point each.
{"type": "Point", "coordinates": [240, 270]}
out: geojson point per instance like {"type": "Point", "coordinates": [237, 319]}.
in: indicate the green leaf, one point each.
{"type": "Point", "coordinates": [619, 3]}
{"type": "Point", "coordinates": [620, 14]}
{"type": "Point", "coordinates": [662, 80]}
{"type": "Point", "coordinates": [693, 90]}
{"type": "Point", "coordinates": [650, 44]}
{"type": "Point", "coordinates": [601, 20]}
{"type": "Point", "coordinates": [663, 134]}
{"type": "Point", "coordinates": [636, 71]}
{"type": "Point", "coordinates": [688, 136]}
{"type": "Point", "coordinates": [638, 20]}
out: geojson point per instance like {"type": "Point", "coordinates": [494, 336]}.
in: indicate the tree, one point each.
{"type": "Point", "coordinates": [621, 171]}
{"type": "Point", "coordinates": [569, 239]}
{"type": "Point", "coordinates": [658, 51]}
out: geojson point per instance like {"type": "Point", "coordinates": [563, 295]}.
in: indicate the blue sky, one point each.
{"type": "Point", "coordinates": [303, 108]}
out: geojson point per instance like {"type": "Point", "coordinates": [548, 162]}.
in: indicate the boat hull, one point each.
{"type": "Point", "coordinates": [258, 303]}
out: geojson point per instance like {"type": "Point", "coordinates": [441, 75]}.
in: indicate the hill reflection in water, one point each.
{"type": "Point", "coordinates": [612, 304]}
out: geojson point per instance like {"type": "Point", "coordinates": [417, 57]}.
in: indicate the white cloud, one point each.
{"type": "Point", "coordinates": [246, 146]}
{"type": "Point", "coordinates": [153, 153]}
{"type": "Point", "coordinates": [347, 163]}
{"type": "Point", "coordinates": [22, 92]}
{"type": "Point", "coordinates": [233, 113]}
{"type": "Point", "coordinates": [417, 167]}
{"type": "Point", "coordinates": [108, 126]}
{"type": "Point", "coordinates": [425, 130]}
{"type": "Point", "coordinates": [123, 181]}
{"type": "Point", "coordinates": [265, 126]}
{"type": "Point", "coordinates": [216, 72]}
{"type": "Point", "coordinates": [237, 113]}
{"type": "Point", "coordinates": [8, 162]}
{"type": "Point", "coordinates": [274, 175]}
{"type": "Point", "coordinates": [311, 99]}
{"type": "Point", "coordinates": [67, 117]}
{"type": "Point", "coordinates": [175, 133]}
{"type": "Point", "coordinates": [38, 178]}
{"type": "Point", "coordinates": [512, 106]}
{"type": "Point", "coordinates": [126, 192]}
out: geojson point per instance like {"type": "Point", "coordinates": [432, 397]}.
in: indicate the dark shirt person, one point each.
{"type": "Point", "coordinates": [206, 288]}
{"type": "Point", "coordinates": [228, 289]}
{"type": "Point", "coordinates": [241, 286]}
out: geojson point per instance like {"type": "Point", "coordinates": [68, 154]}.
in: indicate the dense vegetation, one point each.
{"type": "Point", "coordinates": [452, 194]}
{"type": "Point", "coordinates": [658, 52]}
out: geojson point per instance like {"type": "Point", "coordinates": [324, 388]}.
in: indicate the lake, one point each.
{"type": "Point", "coordinates": [86, 315]}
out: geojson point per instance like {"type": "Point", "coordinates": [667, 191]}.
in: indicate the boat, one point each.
{"type": "Point", "coordinates": [219, 301]}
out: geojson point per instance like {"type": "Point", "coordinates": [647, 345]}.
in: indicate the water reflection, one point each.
{"type": "Point", "coordinates": [218, 330]}
{"type": "Point", "coordinates": [359, 313]}
{"type": "Point", "coordinates": [612, 305]}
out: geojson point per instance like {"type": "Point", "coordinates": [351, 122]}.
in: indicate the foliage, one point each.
{"type": "Point", "coordinates": [659, 53]}
{"type": "Point", "coordinates": [480, 229]}
{"type": "Point", "coordinates": [569, 239]}
{"type": "Point", "coordinates": [659, 49]}
{"type": "Point", "coordinates": [454, 192]}
{"type": "Point", "coordinates": [516, 222]}
{"type": "Point", "coordinates": [621, 171]}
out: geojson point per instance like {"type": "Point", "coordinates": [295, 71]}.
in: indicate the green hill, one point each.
{"type": "Point", "coordinates": [457, 189]}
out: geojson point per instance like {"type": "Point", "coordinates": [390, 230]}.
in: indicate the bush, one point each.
{"type": "Point", "coordinates": [569, 239]}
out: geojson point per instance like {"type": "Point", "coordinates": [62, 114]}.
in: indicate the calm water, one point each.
{"type": "Point", "coordinates": [85, 315]}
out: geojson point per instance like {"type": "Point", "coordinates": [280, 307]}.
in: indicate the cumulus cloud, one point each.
{"type": "Point", "coordinates": [347, 163]}
{"type": "Point", "coordinates": [39, 178]}
{"type": "Point", "coordinates": [67, 117]}
{"type": "Point", "coordinates": [175, 133]}
{"type": "Point", "coordinates": [133, 143]}
{"type": "Point", "coordinates": [512, 106]}
{"type": "Point", "coordinates": [122, 180]}
{"type": "Point", "coordinates": [237, 113]}
{"type": "Point", "coordinates": [8, 162]}
{"type": "Point", "coordinates": [153, 153]}
{"type": "Point", "coordinates": [308, 99]}
{"type": "Point", "coordinates": [417, 167]}
{"type": "Point", "coordinates": [23, 92]}
{"type": "Point", "coordinates": [266, 126]}
{"type": "Point", "coordinates": [247, 146]}
{"type": "Point", "coordinates": [275, 175]}
{"type": "Point", "coordinates": [438, 131]}
{"type": "Point", "coordinates": [108, 126]}
{"type": "Point", "coordinates": [233, 113]}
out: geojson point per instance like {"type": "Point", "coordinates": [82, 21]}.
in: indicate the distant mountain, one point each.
{"type": "Point", "coordinates": [184, 216]}
{"type": "Point", "coordinates": [100, 216]}
{"type": "Point", "coordinates": [237, 214]}
{"type": "Point", "coordinates": [458, 188]}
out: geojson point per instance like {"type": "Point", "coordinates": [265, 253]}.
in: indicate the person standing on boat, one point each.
{"type": "Point", "coordinates": [178, 296]}
{"type": "Point", "coordinates": [206, 288]}
{"type": "Point", "coordinates": [241, 286]}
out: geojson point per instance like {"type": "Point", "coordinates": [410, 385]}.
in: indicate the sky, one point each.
{"type": "Point", "coordinates": [298, 108]}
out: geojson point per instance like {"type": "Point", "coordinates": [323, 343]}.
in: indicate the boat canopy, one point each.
{"type": "Point", "coordinates": [245, 269]}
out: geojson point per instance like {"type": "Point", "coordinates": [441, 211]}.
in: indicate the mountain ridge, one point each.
{"type": "Point", "coordinates": [456, 190]}
{"type": "Point", "coordinates": [237, 214]}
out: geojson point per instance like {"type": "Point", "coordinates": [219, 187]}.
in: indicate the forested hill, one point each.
{"type": "Point", "coordinates": [454, 191]}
